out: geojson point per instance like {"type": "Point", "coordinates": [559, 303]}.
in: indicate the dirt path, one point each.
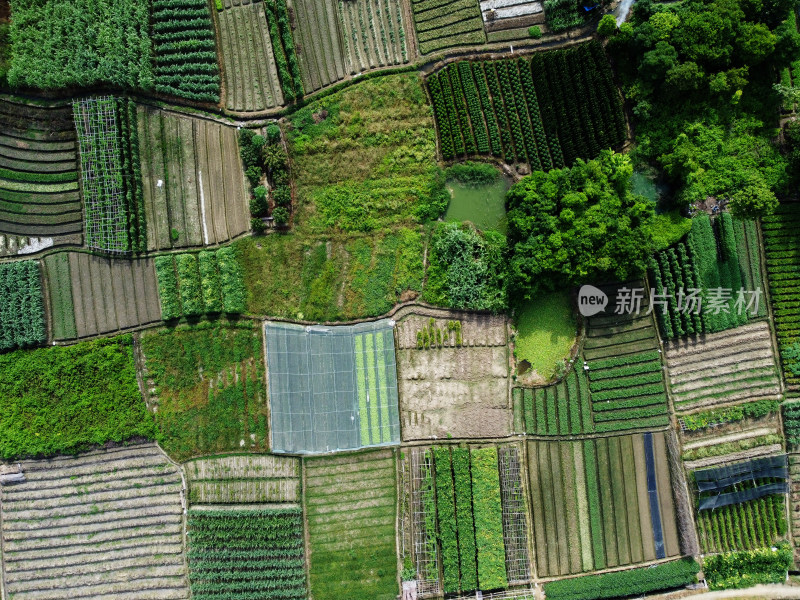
{"type": "Point", "coordinates": [759, 591]}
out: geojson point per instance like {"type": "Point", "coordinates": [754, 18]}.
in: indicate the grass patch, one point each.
{"type": "Point", "coordinates": [66, 399]}
{"type": "Point", "coordinates": [210, 390]}
{"type": "Point", "coordinates": [546, 331]}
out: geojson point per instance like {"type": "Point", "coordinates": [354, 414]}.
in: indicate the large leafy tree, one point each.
{"type": "Point", "coordinates": [577, 225]}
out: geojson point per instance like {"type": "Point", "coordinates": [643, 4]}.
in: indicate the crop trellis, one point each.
{"type": "Point", "coordinates": [515, 530]}
{"type": "Point", "coordinates": [423, 526]}
{"type": "Point", "coordinates": [101, 171]}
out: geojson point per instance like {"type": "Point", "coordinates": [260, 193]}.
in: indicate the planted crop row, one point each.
{"type": "Point", "coordinates": [238, 553]}
{"type": "Point", "coordinates": [546, 111]}
{"type": "Point", "coordinates": [744, 526]}
{"type": "Point", "coordinates": [730, 414]}
{"type": "Point", "coordinates": [782, 250]}
{"type": "Point", "coordinates": [280, 32]}
{"type": "Point", "coordinates": [132, 183]}
{"type": "Point", "coordinates": [22, 319]}
{"type": "Point", "coordinates": [446, 23]}
{"type": "Point", "coordinates": [791, 422]}
{"type": "Point", "coordinates": [190, 285]}
{"type": "Point", "coordinates": [560, 409]}
{"type": "Point", "coordinates": [634, 582]}
{"type": "Point", "coordinates": [185, 54]}
{"type": "Point", "coordinates": [466, 512]}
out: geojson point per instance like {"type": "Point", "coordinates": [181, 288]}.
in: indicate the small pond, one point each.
{"type": "Point", "coordinates": [482, 205]}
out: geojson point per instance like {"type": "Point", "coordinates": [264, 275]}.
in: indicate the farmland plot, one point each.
{"type": "Point", "coordinates": [91, 295]}
{"type": "Point", "coordinates": [251, 77]}
{"type": "Point", "coordinates": [507, 15]}
{"type": "Point", "coordinates": [351, 509]}
{"type": "Point", "coordinates": [243, 479]}
{"type": "Point", "coordinates": [108, 523]}
{"type": "Point", "coordinates": [194, 188]}
{"type": "Point", "coordinates": [255, 553]}
{"type": "Point", "coordinates": [782, 250]}
{"type": "Point", "coordinates": [40, 204]}
{"type": "Point", "coordinates": [794, 500]}
{"type": "Point", "coordinates": [715, 368]}
{"type": "Point", "coordinates": [625, 370]}
{"type": "Point", "coordinates": [545, 111]}
{"type": "Point", "coordinates": [444, 24]}
{"type": "Point", "coordinates": [22, 316]}
{"type": "Point", "coordinates": [332, 388]}
{"type": "Point", "coordinates": [206, 385]}
{"type": "Point", "coordinates": [476, 497]}
{"type": "Point", "coordinates": [461, 391]}
{"type": "Point", "coordinates": [619, 489]}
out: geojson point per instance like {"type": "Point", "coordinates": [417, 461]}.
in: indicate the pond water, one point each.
{"type": "Point", "coordinates": [484, 205]}
{"type": "Point", "coordinates": [644, 186]}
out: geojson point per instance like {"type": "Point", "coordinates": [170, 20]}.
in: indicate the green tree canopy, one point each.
{"type": "Point", "coordinates": [576, 225]}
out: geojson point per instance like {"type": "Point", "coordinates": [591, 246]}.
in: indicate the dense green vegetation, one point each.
{"type": "Point", "coordinates": [191, 285]}
{"type": "Point", "coordinates": [446, 23]}
{"type": "Point", "coordinates": [66, 399]}
{"type": "Point", "coordinates": [730, 414]}
{"type": "Point", "coordinates": [570, 226]}
{"type": "Point", "coordinates": [633, 582]}
{"type": "Point", "coordinates": [22, 318]}
{"type": "Point", "coordinates": [467, 268]}
{"type": "Point", "coordinates": [280, 32]}
{"type": "Point", "coordinates": [80, 43]}
{"type": "Point", "coordinates": [246, 553]}
{"type": "Point", "coordinates": [546, 331]}
{"type": "Point", "coordinates": [546, 111]}
{"type": "Point", "coordinates": [745, 569]}
{"type": "Point", "coordinates": [702, 263]}
{"type": "Point", "coordinates": [185, 51]}
{"type": "Point", "coordinates": [699, 78]}
{"type": "Point", "coordinates": [209, 388]}
{"type": "Point", "coordinates": [486, 506]}
{"type": "Point", "coordinates": [560, 409]}
{"type": "Point", "coordinates": [791, 422]}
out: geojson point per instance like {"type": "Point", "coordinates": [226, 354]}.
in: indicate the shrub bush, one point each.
{"type": "Point", "coordinates": [744, 569]}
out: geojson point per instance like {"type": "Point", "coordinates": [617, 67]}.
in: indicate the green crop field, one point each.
{"type": "Point", "coordinates": [209, 388]}
{"type": "Point", "coordinates": [351, 507]}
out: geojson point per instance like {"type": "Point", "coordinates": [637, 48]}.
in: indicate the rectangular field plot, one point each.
{"type": "Point", "coordinates": [601, 503]}
{"type": "Point", "coordinates": [39, 195]}
{"type": "Point", "coordinates": [251, 77]}
{"type": "Point", "coordinates": [243, 479]}
{"type": "Point", "coordinates": [446, 23]}
{"type": "Point", "coordinates": [194, 187]}
{"type": "Point", "coordinates": [337, 38]}
{"type": "Point", "coordinates": [723, 367]}
{"type": "Point", "coordinates": [90, 295]}
{"type": "Point", "coordinates": [475, 498]}
{"type": "Point", "coordinates": [247, 554]}
{"type": "Point", "coordinates": [106, 524]}
{"type": "Point", "coordinates": [332, 388]}
{"type": "Point", "coordinates": [456, 390]}
{"type": "Point", "coordinates": [351, 508]}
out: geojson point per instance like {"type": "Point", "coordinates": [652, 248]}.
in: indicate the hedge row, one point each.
{"type": "Point", "coordinates": [191, 285]}
{"type": "Point", "coordinates": [632, 582]}
{"type": "Point", "coordinates": [185, 55]}
{"type": "Point", "coordinates": [731, 414]}
{"type": "Point", "coordinates": [546, 111]}
{"type": "Point", "coordinates": [22, 319]}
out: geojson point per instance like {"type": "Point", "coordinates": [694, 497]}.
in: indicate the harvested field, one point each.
{"type": "Point", "coordinates": [194, 188]}
{"type": "Point", "coordinates": [619, 490]}
{"type": "Point", "coordinates": [351, 510]}
{"type": "Point", "coordinates": [723, 367]}
{"type": "Point", "coordinates": [40, 204]}
{"type": "Point", "coordinates": [105, 524]}
{"type": "Point", "coordinates": [251, 77]}
{"type": "Point", "coordinates": [457, 391]}
{"type": "Point", "coordinates": [90, 295]}
{"type": "Point", "coordinates": [243, 479]}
